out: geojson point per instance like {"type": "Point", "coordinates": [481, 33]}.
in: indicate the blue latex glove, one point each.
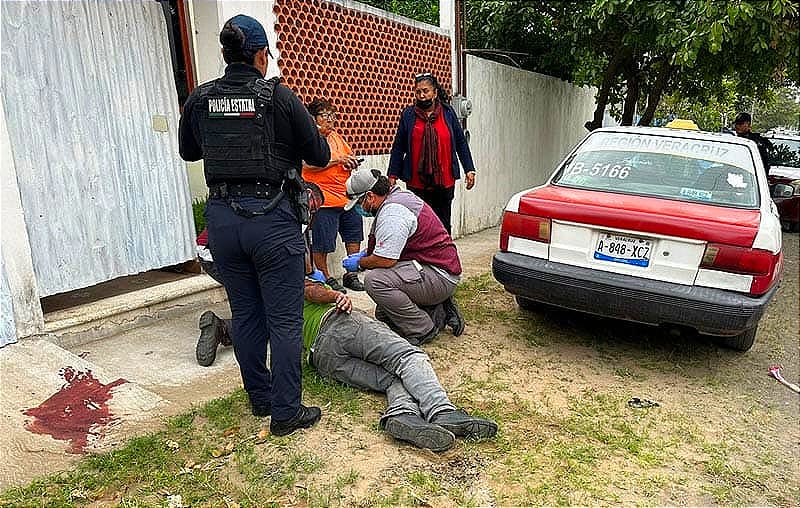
{"type": "Point", "coordinates": [350, 263]}
{"type": "Point", "coordinates": [317, 275]}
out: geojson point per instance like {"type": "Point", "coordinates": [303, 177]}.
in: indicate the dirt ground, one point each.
{"type": "Point", "coordinates": [558, 383]}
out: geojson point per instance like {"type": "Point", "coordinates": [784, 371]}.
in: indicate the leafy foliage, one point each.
{"type": "Point", "coordinates": [634, 52]}
{"type": "Point", "coordinates": [420, 10]}
{"type": "Point", "coordinates": [783, 155]}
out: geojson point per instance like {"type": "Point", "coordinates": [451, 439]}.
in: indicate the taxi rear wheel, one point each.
{"type": "Point", "coordinates": [742, 342]}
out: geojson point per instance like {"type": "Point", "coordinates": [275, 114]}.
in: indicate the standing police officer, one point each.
{"type": "Point", "coordinates": [253, 135]}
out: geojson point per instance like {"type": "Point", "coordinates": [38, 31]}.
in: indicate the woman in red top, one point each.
{"type": "Point", "coordinates": [427, 147]}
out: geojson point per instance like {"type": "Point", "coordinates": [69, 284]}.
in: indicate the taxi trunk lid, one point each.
{"type": "Point", "coordinates": [649, 237]}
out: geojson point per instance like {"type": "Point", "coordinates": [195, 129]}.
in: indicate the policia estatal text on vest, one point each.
{"type": "Point", "coordinates": [253, 135]}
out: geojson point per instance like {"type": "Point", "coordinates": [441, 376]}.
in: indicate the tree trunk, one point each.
{"type": "Point", "coordinates": [631, 92]}
{"type": "Point", "coordinates": [609, 78]}
{"type": "Point", "coordinates": [654, 97]}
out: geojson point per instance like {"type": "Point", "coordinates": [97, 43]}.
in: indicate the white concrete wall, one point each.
{"type": "Point", "coordinates": [522, 123]}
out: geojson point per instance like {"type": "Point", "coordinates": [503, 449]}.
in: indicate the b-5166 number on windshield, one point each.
{"type": "Point", "coordinates": [602, 170]}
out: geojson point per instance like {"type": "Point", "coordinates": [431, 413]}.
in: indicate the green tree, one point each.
{"type": "Point", "coordinates": [426, 11]}
{"type": "Point", "coordinates": [534, 29]}
{"type": "Point", "coordinates": [780, 110]}
{"type": "Point", "coordinates": [636, 51]}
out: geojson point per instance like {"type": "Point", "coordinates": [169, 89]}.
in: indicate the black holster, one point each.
{"type": "Point", "coordinates": [295, 190]}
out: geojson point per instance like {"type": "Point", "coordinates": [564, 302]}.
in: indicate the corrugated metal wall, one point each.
{"type": "Point", "coordinates": [8, 331]}
{"type": "Point", "coordinates": [104, 195]}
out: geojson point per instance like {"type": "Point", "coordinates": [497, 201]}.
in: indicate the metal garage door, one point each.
{"type": "Point", "coordinates": [104, 193]}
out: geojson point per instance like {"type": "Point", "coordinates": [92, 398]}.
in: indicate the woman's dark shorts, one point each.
{"type": "Point", "coordinates": [330, 221]}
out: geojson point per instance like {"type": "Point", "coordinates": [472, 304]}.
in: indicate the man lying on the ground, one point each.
{"type": "Point", "coordinates": [348, 346]}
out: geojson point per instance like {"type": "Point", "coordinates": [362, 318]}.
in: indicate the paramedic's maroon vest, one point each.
{"type": "Point", "coordinates": [430, 244]}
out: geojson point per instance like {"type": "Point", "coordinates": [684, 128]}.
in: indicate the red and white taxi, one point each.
{"type": "Point", "coordinates": [653, 225]}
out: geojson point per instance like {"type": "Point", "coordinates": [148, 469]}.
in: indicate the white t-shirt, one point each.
{"type": "Point", "coordinates": [394, 227]}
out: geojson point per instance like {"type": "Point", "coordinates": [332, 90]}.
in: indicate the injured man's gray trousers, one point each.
{"type": "Point", "coordinates": [359, 351]}
{"type": "Point", "coordinates": [409, 299]}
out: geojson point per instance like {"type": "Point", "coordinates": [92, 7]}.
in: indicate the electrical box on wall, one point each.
{"type": "Point", "coordinates": [462, 106]}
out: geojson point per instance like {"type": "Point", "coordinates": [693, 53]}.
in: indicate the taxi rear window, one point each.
{"type": "Point", "coordinates": [712, 172]}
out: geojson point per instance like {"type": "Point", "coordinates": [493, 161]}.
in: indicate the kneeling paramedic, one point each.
{"type": "Point", "coordinates": [411, 261]}
{"type": "Point", "coordinates": [253, 135]}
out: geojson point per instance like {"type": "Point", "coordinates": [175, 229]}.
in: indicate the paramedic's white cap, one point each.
{"type": "Point", "coordinates": [359, 183]}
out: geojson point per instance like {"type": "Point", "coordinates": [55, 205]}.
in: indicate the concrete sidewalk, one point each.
{"type": "Point", "coordinates": [94, 395]}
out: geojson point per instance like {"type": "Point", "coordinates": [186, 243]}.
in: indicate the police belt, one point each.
{"type": "Point", "coordinates": [246, 190]}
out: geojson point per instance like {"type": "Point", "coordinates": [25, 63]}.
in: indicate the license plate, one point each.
{"type": "Point", "coordinates": [623, 249]}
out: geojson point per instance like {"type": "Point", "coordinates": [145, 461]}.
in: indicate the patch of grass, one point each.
{"type": "Point", "coordinates": [226, 412]}
{"type": "Point", "coordinates": [397, 497]}
{"type": "Point", "coordinates": [425, 482]}
{"type": "Point", "coordinates": [194, 457]}
{"type": "Point", "coordinates": [330, 494]}
{"type": "Point", "coordinates": [481, 299]}
{"type": "Point", "coordinates": [347, 400]}
{"type": "Point", "coordinates": [198, 211]}
{"type": "Point", "coordinates": [728, 481]}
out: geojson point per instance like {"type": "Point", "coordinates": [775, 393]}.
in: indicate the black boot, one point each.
{"type": "Point", "coordinates": [213, 332]}
{"type": "Point", "coordinates": [463, 425]}
{"type": "Point", "coordinates": [351, 281]}
{"type": "Point", "coordinates": [425, 338]}
{"type": "Point", "coordinates": [454, 318]}
{"type": "Point", "coordinates": [335, 285]}
{"type": "Point", "coordinates": [413, 429]}
{"type": "Point", "coordinates": [305, 418]}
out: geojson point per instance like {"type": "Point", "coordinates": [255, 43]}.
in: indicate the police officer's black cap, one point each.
{"type": "Point", "coordinates": [743, 118]}
{"type": "Point", "coordinates": [255, 37]}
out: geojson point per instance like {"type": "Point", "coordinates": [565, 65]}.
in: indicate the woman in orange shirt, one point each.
{"type": "Point", "coordinates": [332, 217]}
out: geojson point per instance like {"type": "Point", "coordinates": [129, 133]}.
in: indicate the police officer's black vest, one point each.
{"type": "Point", "coordinates": [238, 134]}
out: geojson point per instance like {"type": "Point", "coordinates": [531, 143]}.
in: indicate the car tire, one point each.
{"type": "Point", "coordinates": [742, 342]}
{"type": "Point", "coordinates": [526, 303]}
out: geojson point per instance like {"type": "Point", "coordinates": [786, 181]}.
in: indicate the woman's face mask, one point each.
{"type": "Point", "coordinates": [424, 93]}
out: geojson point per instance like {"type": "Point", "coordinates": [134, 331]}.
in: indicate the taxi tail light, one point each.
{"type": "Point", "coordinates": [524, 226]}
{"type": "Point", "coordinates": [764, 266]}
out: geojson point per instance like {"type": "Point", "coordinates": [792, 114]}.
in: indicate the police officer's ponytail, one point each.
{"type": "Point", "coordinates": [232, 39]}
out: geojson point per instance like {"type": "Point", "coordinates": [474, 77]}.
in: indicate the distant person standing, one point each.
{"type": "Point", "coordinates": [333, 218]}
{"type": "Point", "coordinates": [427, 147]}
{"type": "Point", "coordinates": [742, 127]}
{"type": "Point", "coordinates": [253, 135]}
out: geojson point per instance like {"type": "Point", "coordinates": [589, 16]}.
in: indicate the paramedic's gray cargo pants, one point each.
{"type": "Point", "coordinates": [408, 299]}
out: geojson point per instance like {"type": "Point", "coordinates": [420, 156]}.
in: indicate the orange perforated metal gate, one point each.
{"type": "Point", "coordinates": [363, 62]}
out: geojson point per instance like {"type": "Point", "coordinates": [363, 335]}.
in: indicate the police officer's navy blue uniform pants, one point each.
{"type": "Point", "coordinates": [261, 263]}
